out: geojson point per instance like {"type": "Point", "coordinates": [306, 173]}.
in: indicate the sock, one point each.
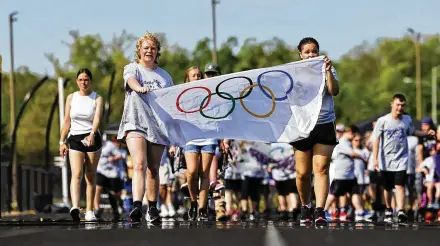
{"type": "Point", "coordinates": [152, 203]}
{"type": "Point", "coordinates": [137, 204]}
{"type": "Point", "coordinates": [193, 204]}
{"type": "Point", "coordinates": [308, 205]}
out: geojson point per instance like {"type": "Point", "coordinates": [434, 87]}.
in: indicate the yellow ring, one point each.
{"type": "Point", "coordinates": [252, 113]}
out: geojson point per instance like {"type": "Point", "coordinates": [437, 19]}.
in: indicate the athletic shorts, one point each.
{"type": "Point", "coordinates": [233, 184]}
{"type": "Point", "coordinates": [286, 187]}
{"type": "Point", "coordinates": [375, 178]}
{"type": "Point", "coordinates": [74, 143]}
{"type": "Point", "coordinates": [340, 187]}
{"type": "Point", "coordinates": [113, 184]}
{"type": "Point", "coordinates": [251, 187]}
{"type": "Point", "coordinates": [321, 134]}
{"type": "Point", "coordinates": [391, 179]}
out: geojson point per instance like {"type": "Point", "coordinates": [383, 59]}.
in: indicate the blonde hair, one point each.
{"type": "Point", "coordinates": [151, 37]}
{"type": "Point", "coordinates": [187, 73]}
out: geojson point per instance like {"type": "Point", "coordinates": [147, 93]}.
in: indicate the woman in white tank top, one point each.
{"type": "Point", "coordinates": [81, 127]}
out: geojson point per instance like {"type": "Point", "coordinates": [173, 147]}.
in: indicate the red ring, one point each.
{"type": "Point", "coordinates": [197, 110]}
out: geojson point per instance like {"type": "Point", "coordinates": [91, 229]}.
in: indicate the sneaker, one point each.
{"type": "Point", "coordinates": [342, 215]}
{"type": "Point", "coordinates": [163, 211]}
{"type": "Point", "coordinates": [402, 217]}
{"type": "Point", "coordinates": [136, 214]}
{"type": "Point", "coordinates": [254, 216]}
{"type": "Point", "coordinates": [74, 213]}
{"type": "Point", "coordinates": [284, 215]}
{"type": "Point", "coordinates": [320, 216]}
{"type": "Point", "coordinates": [171, 211]}
{"type": "Point", "coordinates": [306, 215]}
{"type": "Point", "coordinates": [243, 215]}
{"type": "Point", "coordinates": [203, 215]}
{"type": "Point", "coordinates": [90, 216]}
{"type": "Point", "coordinates": [98, 213]}
{"type": "Point", "coordinates": [293, 215]}
{"type": "Point", "coordinates": [192, 212]}
{"type": "Point", "coordinates": [363, 216]}
{"type": "Point", "coordinates": [335, 215]}
{"type": "Point", "coordinates": [153, 215]}
{"type": "Point", "coordinates": [388, 216]}
{"type": "Point", "coordinates": [216, 186]}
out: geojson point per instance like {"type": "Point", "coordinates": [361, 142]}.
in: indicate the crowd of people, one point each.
{"type": "Point", "coordinates": [335, 174]}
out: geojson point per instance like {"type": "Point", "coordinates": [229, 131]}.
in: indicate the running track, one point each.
{"type": "Point", "coordinates": [36, 231]}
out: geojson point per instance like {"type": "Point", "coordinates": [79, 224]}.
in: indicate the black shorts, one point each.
{"type": "Point", "coordinates": [362, 188]}
{"type": "Point", "coordinates": [233, 184]}
{"type": "Point", "coordinates": [340, 187]}
{"type": "Point", "coordinates": [251, 187]}
{"type": "Point", "coordinates": [286, 187]}
{"type": "Point", "coordinates": [391, 179]}
{"type": "Point", "coordinates": [113, 184]}
{"type": "Point", "coordinates": [321, 134]}
{"type": "Point", "coordinates": [375, 178]}
{"type": "Point", "coordinates": [74, 143]}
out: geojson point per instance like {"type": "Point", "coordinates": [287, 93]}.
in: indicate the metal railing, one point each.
{"type": "Point", "coordinates": [34, 187]}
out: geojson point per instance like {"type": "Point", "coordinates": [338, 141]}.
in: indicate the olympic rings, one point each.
{"type": "Point", "coordinates": [243, 94]}
{"type": "Point", "coordinates": [269, 96]}
{"type": "Point", "coordinates": [197, 110]}
{"type": "Point", "coordinates": [208, 97]}
{"type": "Point", "coordinates": [235, 98]}
{"type": "Point", "coordinates": [252, 113]}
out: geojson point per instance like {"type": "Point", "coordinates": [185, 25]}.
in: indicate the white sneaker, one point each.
{"type": "Point", "coordinates": [163, 211]}
{"type": "Point", "coordinates": [90, 216]}
{"type": "Point", "coordinates": [171, 211]}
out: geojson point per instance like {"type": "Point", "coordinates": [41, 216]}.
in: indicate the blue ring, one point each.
{"type": "Point", "coordinates": [267, 94]}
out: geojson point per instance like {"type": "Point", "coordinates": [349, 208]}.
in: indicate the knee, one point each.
{"type": "Point", "coordinates": [139, 164]}
{"type": "Point", "coordinates": [191, 175]}
{"type": "Point", "coordinates": [303, 174]}
{"type": "Point", "coordinates": [321, 169]}
{"type": "Point", "coordinates": [91, 176]}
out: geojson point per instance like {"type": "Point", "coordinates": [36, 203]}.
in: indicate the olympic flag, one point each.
{"type": "Point", "coordinates": [274, 104]}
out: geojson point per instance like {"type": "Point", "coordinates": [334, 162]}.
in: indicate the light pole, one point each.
{"type": "Point", "coordinates": [14, 187]}
{"type": "Point", "coordinates": [415, 36]}
{"type": "Point", "coordinates": [214, 31]}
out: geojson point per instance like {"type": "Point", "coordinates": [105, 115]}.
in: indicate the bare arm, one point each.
{"type": "Point", "coordinates": [98, 115]}
{"type": "Point", "coordinates": [376, 150]}
{"type": "Point", "coordinates": [332, 83]}
{"type": "Point", "coordinates": [136, 86]}
{"type": "Point", "coordinates": [66, 123]}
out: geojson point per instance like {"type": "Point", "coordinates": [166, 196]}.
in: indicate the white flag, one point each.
{"type": "Point", "coordinates": [275, 104]}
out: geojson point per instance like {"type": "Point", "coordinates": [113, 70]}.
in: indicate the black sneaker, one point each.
{"type": "Point", "coordinates": [388, 215]}
{"type": "Point", "coordinates": [74, 213]}
{"type": "Point", "coordinates": [402, 217]}
{"type": "Point", "coordinates": [203, 215]}
{"type": "Point", "coordinates": [153, 215]}
{"type": "Point", "coordinates": [192, 212]}
{"type": "Point", "coordinates": [284, 215]}
{"type": "Point", "coordinates": [320, 217]}
{"type": "Point", "coordinates": [306, 215]}
{"type": "Point", "coordinates": [293, 215]}
{"type": "Point", "coordinates": [136, 214]}
{"type": "Point", "coordinates": [243, 216]}
{"type": "Point", "coordinates": [98, 213]}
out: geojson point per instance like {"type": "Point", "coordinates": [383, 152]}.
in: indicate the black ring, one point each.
{"type": "Point", "coordinates": [234, 98]}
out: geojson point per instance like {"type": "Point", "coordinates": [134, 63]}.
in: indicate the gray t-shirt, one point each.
{"type": "Point", "coordinates": [344, 164]}
{"type": "Point", "coordinates": [360, 167]}
{"type": "Point", "coordinates": [393, 144]}
{"type": "Point", "coordinates": [327, 113]}
{"type": "Point", "coordinates": [138, 115]}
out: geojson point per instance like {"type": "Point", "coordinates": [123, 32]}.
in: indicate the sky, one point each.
{"type": "Point", "coordinates": [338, 25]}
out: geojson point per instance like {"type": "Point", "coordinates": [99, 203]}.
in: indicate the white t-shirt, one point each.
{"type": "Point", "coordinates": [429, 164]}
{"type": "Point", "coordinates": [412, 154]}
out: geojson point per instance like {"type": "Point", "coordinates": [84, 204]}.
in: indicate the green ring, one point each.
{"type": "Point", "coordinates": [221, 117]}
